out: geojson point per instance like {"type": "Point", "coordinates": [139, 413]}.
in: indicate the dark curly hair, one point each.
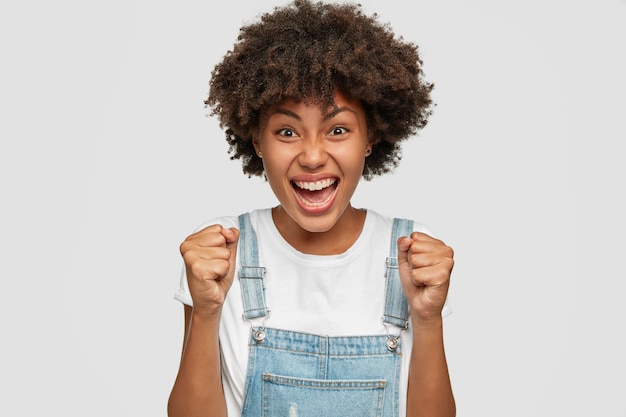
{"type": "Point", "coordinates": [306, 50]}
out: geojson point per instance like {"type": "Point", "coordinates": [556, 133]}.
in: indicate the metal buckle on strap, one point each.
{"type": "Point", "coordinates": [392, 339]}
{"type": "Point", "coordinates": [258, 333]}
{"type": "Point", "coordinates": [392, 343]}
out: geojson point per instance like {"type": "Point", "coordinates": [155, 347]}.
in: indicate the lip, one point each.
{"type": "Point", "coordinates": [318, 207]}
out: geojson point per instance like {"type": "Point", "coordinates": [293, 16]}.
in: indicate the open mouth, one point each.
{"type": "Point", "coordinates": [315, 193]}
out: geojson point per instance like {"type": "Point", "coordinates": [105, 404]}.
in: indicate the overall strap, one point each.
{"type": "Point", "coordinates": [396, 306]}
{"type": "Point", "coordinates": [251, 275]}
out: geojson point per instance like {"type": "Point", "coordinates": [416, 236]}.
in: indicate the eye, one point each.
{"type": "Point", "coordinates": [286, 132]}
{"type": "Point", "coordinates": [336, 131]}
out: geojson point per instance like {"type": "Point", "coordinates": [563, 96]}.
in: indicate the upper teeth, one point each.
{"type": "Point", "coordinates": [316, 185]}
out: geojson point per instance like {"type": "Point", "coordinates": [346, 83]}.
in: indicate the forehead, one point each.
{"type": "Point", "coordinates": [340, 102]}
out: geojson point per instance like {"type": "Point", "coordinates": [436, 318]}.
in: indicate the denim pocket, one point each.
{"type": "Point", "coordinates": [297, 397]}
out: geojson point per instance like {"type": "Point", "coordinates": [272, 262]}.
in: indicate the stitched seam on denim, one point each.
{"type": "Point", "coordinates": [325, 383]}
{"type": "Point", "coordinates": [396, 307]}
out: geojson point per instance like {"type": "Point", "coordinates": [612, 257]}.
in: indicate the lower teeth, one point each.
{"type": "Point", "coordinates": [313, 204]}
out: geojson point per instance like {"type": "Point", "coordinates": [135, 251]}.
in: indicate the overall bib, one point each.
{"type": "Point", "coordinates": [293, 374]}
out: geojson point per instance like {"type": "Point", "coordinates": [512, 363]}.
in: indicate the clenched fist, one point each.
{"type": "Point", "coordinates": [425, 265]}
{"type": "Point", "coordinates": [209, 256]}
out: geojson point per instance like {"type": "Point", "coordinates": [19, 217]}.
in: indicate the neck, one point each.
{"type": "Point", "coordinates": [334, 241]}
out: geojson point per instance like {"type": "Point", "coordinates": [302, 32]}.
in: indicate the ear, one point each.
{"type": "Point", "coordinates": [255, 143]}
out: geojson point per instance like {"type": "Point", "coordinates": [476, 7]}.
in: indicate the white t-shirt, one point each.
{"type": "Point", "coordinates": [332, 295]}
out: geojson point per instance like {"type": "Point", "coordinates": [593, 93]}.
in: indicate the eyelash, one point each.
{"type": "Point", "coordinates": [333, 131]}
{"type": "Point", "coordinates": [282, 132]}
{"type": "Point", "coordinates": [343, 129]}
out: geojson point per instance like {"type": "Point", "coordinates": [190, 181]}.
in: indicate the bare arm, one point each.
{"type": "Point", "coordinates": [198, 387]}
{"type": "Point", "coordinates": [430, 391]}
{"type": "Point", "coordinates": [425, 265]}
{"type": "Point", "coordinates": [209, 257]}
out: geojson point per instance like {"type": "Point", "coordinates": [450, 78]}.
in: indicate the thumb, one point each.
{"type": "Point", "coordinates": [404, 243]}
{"type": "Point", "coordinates": [232, 238]}
{"type": "Point", "coordinates": [404, 267]}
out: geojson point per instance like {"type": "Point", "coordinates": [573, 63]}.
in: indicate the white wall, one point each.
{"type": "Point", "coordinates": [107, 162]}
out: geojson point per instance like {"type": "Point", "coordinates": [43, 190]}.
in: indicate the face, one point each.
{"type": "Point", "coordinates": [313, 159]}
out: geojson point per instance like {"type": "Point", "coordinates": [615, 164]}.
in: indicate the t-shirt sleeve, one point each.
{"type": "Point", "coordinates": [447, 310]}
{"type": "Point", "coordinates": [182, 293]}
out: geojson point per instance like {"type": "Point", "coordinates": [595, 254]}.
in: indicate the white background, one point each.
{"type": "Point", "coordinates": [108, 161]}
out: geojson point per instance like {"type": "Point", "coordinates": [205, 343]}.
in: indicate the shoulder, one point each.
{"type": "Point", "coordinates": [383, 222]}
{"type": "Point", "coordinates": [256, 217]}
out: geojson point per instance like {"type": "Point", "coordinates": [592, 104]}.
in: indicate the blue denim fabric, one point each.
{"type": "Point", "coordinates": [396, 305]}
{"type": "Point", "coordinates": [250, 274]}
{"type": "Point", "coordinates": [294, 374]}
{"type": "Point", "coordinates": [299, 374]}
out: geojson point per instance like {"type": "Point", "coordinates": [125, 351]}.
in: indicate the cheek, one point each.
{"type": "Point", "coordinates": [275, 167]}
{"type": "Point", "coordinates": [352, 161]}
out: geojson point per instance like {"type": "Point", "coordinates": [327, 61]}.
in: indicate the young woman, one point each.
{"type": "Point", "coordinates": [315, 307]}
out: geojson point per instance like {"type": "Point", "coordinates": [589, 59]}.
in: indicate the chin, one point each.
{"type": "Point", "coordinates": [314, 223]}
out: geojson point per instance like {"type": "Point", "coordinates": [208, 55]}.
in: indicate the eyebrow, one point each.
{"type": "Point", "coordinates": [288, 113]}
{"type": "Point", "coordinates": [327, 116]}
{"type": "Point", "coordinates": [336, 111]}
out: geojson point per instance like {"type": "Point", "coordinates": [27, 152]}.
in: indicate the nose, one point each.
{"type": "Point", "coordinates": [313, 153]}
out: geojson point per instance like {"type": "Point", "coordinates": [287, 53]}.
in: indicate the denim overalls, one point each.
{"type": "Point", "coordinates": [292, 374]}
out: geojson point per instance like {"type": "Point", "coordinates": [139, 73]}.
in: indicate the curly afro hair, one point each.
{"type": "Point", "coordinates": [304, 51]}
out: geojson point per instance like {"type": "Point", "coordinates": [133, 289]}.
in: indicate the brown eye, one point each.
{"type": "Point", "coordinates": [338, 131]}
{"type": "Point", "coordinates": [288, 133]}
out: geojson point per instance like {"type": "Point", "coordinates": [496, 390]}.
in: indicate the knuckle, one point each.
{"type": "Point", "coordinates": [196, 269]}
{"type": "Point", "coordinates": [184, 247]}
{"type": "Point", "coordinates": [220, 268]}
